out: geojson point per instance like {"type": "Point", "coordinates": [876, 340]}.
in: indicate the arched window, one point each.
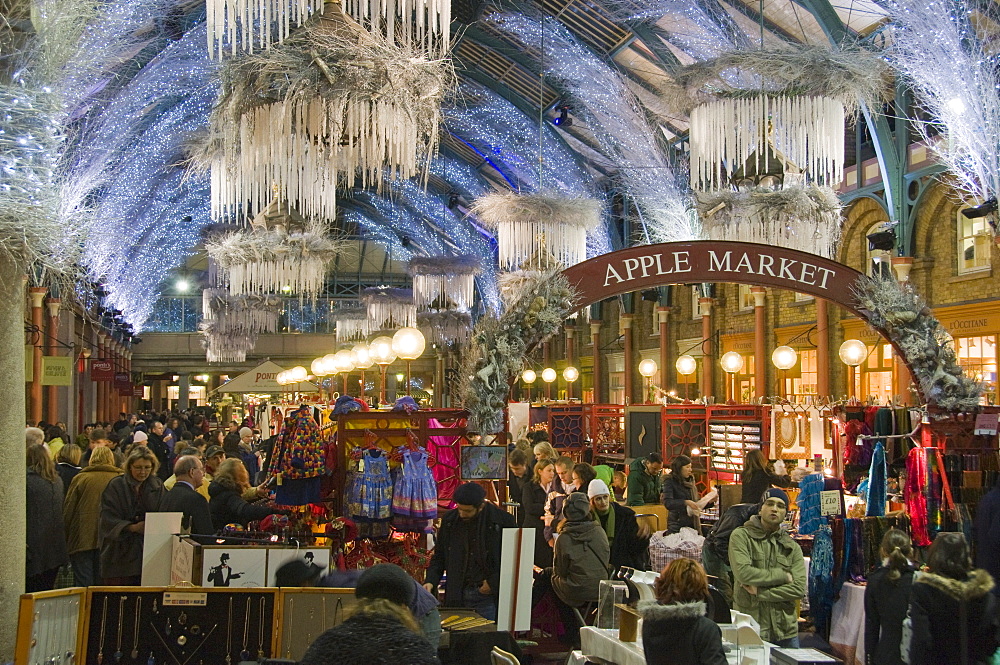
{"type": "Point", "coordinates": [973, 241]}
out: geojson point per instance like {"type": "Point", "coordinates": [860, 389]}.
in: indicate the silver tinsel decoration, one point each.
{"type": "Point", "coordinates": [389, 307]}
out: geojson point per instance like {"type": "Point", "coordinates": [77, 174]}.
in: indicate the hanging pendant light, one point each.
{"type": "Point", "coordinates": [444, 282]}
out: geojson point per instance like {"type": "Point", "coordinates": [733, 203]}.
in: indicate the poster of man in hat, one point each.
{"type": "Point", "coordinates": [222, 574]}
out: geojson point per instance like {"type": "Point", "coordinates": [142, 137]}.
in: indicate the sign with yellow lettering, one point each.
{"type": "Point", "coordinates": [57, 371]}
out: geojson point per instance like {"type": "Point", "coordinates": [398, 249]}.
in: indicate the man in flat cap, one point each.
{"type": "Point", "coordinates": [468, 548]}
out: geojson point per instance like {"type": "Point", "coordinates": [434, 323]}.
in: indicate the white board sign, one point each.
{"type": "Point", "coordinates": [517, 553]}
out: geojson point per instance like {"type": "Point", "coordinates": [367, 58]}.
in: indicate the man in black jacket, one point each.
{"type": "Point", "coordinates": [184, 498]}
{"type": "Point", "coordinates": [715, 553]}
{"type": "Point", "coordinates": [156, 444]}
{"type": "Point", "coordinates": [468, 548]}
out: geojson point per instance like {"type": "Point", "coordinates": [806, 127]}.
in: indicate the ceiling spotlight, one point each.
{"type": "Point", "coordinates": [182, 285]}
{"type": "Point", "coordinates": [453, 201]}
{"type": "Point", "coordinates": [981, 210]}
{"type": "Point", "coordinates": [650, 295]}
{"type": "Point", "coordinates": [563, 119]}
{"type": "Point", "coordinates": [882, 240]}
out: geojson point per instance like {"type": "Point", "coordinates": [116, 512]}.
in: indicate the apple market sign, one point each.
{"type": "Point", "coordinates": [650, 266]}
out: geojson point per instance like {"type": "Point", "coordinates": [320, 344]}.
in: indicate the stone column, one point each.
{"type": "Point", "coordinates": [12, 477]}
{"type": "Point", "coordinates": [708, 360]}
{"type": "Point", "coordinates": [38, 343]}
{"type": "Point", "coordinates": [626, 330]}
{"type": "Point", "coordinates": [52, 392]}
{"type": "Point", "coordinates": [570, 357]}
{"type": "Point", "coordinates": [822, 348]}
{"type": "Point", "coordinates": [595, 340]}
{"type": "Point", "coordinates": [183, 387]}
{"type": "Point", "coordinates": [759, 342]}
{"type": "Point", "coordinates": [102, 386]}
{"type": "Point", "coordinates": [662, 318]}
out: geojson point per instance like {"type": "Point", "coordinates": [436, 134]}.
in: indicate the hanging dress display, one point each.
{"type": "Point", "coordinates": [414, 499]}
{"type": "Point", "coordinates": [298, 460]}
{"type": "Point", "coordinates": [370, 496]}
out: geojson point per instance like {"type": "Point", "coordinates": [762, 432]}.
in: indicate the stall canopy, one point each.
{"type": "Point", "coordinates": [263, 379]}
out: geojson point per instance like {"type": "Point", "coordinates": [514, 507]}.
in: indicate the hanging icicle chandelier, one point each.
{"type": "Point", "coordinates": [426, 23]}
{"type": "Point", "coordinates": [524, 222]}
{"type": "Point", "coordinates": [332, 107]}
{"type": "Point", "coordinates": [444, 282]}
{"type": "Point", "coordinates": [250, 315]}
{"type": "Point", "coordinates": [245, 25]}
{"type": "Point", "coordinates": [352, 323]}
{"type": "Point", "coordinates": [445, 327]}
{"type": "Point", "coordinates": [389, 307]}
{"type": "Point", "coordinates": [281, 253]}
{"type": "Point", "coordinates": [223, 347]}
{"type": "Point", "coordinates": [729, 136]}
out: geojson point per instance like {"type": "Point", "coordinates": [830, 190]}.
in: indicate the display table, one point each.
{"type": "Point", "coordinates": [847, 625]}
{"type": "Point", "coordinates": [603, 645]}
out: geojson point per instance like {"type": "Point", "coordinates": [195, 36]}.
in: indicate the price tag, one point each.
{"type": "Point", "coordinates": [184, 599]}
{"type": "Point", "coordinates": [986, 424]}
{"type": "Point", "coordinates": [829, 502]}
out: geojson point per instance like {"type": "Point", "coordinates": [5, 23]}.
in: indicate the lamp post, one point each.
{"type": "Point", "coordinates": [784, 358]}
{"type": "Point", "coordinates": [408, 344]}
{"type": "Point", "coordinates": [853, 352]}
{"type": "Point", "coordinates": [362, 361]}
{"type": "Point", "coordinates": [647, 368]}
{"type": "Point", "coordinates": [382, 355]}
{"type": "Point", "coordinates": [571, 374]}
{"type": "Point", "coordinates": [732, 363]}
{"type": "Point", "coordinates": [548, 376]}
{"type": "Point", "coordinates": [529, 377]}
{"type": "Point", "coordinates": [686, 366]}
{"type": "Point", "coordinates": [345, 365]}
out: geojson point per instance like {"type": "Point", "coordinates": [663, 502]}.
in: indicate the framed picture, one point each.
{"type": "Point", "coordinates": [234, 567]}
{"type": "Point", "coordinates": [277, 557]}
{"type": "Point", "coordinates": [484, 462]}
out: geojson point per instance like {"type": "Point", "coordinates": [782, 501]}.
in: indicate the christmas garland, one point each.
{"type": "Point", "coordinates": [895, 310]}
{"type": "Point", "coordinates": [498, 347]}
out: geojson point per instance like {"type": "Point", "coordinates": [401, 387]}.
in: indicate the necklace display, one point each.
{"type": "Point", "coordinates": [260, 630]}
{"type": "Point", "coordinates": [121, 617]}
{"type": "Point", "coordinates": [135, 629]}
{"type": "Point", "coordinates": [229, 634]}
{"type": "Point", "coordinates": [244, 654]}
{"type": "Point", "coordinates": [291, 622]}
{"type": "Point", "coordinates": [104, 624]}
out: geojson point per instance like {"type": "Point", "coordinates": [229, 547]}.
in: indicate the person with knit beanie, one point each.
{"type": "Point", "coordinates": [629, 542]}
{"type": "Point", "coordinates": [380, 630]}
{"type": "Point", "coordinates": [769, 573]}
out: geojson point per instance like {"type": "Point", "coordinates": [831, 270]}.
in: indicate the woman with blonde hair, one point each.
{"type": "Point", "coordinates": [124, 504]}
{"type": "Point", "coordinates": [533, 498]}
{"type": "Point", "coordinates": [229, 488]}
{"type": "Point", "coordinates": [46, 536]}
{"type": "Point", "coordinates": [675, 626]}
{"type": "Point", "coordinates": [68, 463]}
{"type": "Point", "coordinates": [82, 510]}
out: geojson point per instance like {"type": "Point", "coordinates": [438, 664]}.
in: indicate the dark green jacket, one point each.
{"type": "Point", "coordinates": [761, 559]}
{"type": "Point", "coordinates": [642, 487]}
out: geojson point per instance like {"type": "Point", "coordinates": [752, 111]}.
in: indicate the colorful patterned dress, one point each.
{"type": "Point", "coordinates": [371, 496]}
{"type": "Point", "coordinates": [415, 495]}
